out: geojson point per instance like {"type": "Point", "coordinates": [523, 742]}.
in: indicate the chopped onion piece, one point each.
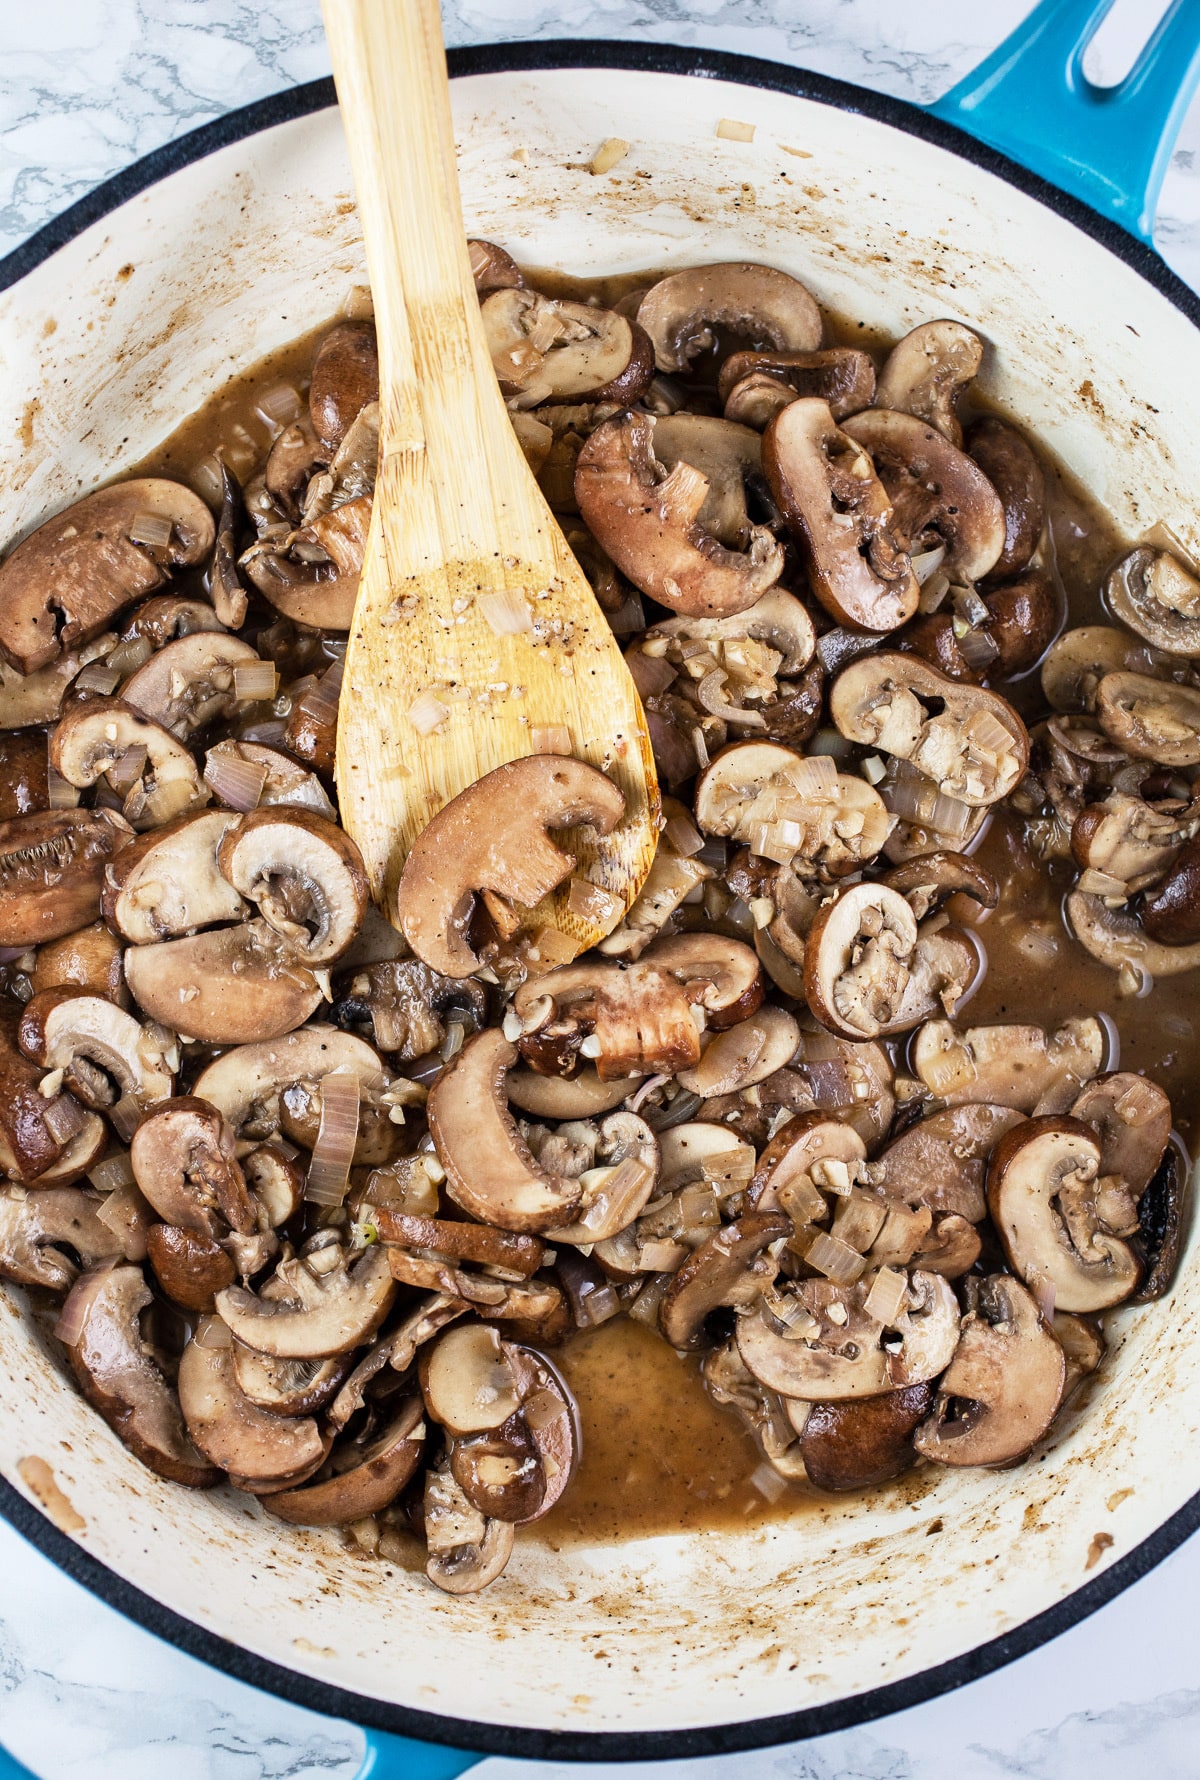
{"type": "Point", "coordinates": [99, 677]}
{"type": "Point", "coordinates": [337, 1135]}
{"type": "Point", "coordinates": [663, 1257]}
{"type": "Point", "coordinates": [212, 1333]}
{"type": "Point", "coordinates": [507, 613]}
{"type": "Point", "coordinates": [166, 802]}
{"type": "Point", "coordinates": [969, 607]}
{"type": "Point", "coordinates": [255, 679]}
{"type": "Point", "coordinates": [1044, 1293]}
{"type": "Point", "coordinates": [731, 129]}
{"type": "Point", "coordinates": [60, 795]}
{"type": "Point", "coordinates": [610, 151]}
{"type": "Point", "coordinates": [767, 1481]}
{"type": "Point", "coordinates": [235, 782]}
{"type": "Point", "coordinates": [914, 798]}
{"type": "Point", "coordinates": [73, 1315]}
{"type": "Point", "coordinates": [683, 837]}
{"type": "Point", "coordinates": [127, 768]}
{"type": "Point", "coordinates": [551, 738]}
{"type": "Point", "coordinates": [592, 903]}
{"type": "Point", "coordinates": [125, 1116]}
{"type": "Point", "coordinates": [543, 1409]}
{"type": "Point", "coordinates": [651, 673]}
{"type": "Point", "coordinates": [978, 648]}
{"type": "Point", "coordinates": [835, 1259]}
{"type": "Point", "coordinates": [887, 1296]}
{"type": "Point", "coordinates": [64, 1118]}
{"type": "Point", "coordinates": [279, 405]}
{"type": "Point", "coordinates": [115, 1171]}
{"type": "Point", "coordinates": [926, 561]}
{"type": "Point", "coordinates": [126, 1214]}
{"type": "Point", "coordinates": [152, 529]}
{"type": "Point", "coordinates": [933, 594]}
{"type": "Point", "coordinates": [599, 1306]}
{"type": "Point", "coordinates": [321, 702]}
{"type": "Point", "coordinates": [427, 713]}
{"type": "Point", "coordinates": [205, 478]}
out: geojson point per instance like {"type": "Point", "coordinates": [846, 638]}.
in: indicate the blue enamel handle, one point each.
{"type": "Point", "coordinates": [399, 1758]}
{"type": "Point", "coordinates": [1107, 145]}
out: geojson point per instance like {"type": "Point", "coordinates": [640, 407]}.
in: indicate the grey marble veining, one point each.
{"type": "Point", "coordinates": [87, 86]}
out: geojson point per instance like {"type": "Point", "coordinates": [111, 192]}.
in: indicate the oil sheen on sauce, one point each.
{"type": "Point", "coordinates": [658, 1454]}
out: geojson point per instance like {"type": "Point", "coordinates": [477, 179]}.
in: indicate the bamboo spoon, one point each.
{"type": "Point", "coordinates": [459, 520]}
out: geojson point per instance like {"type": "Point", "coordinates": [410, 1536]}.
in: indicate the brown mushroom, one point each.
{"type": "Point", "coordinates": [52, 867]}
{"type": "Point", "coordinates": [345, 378]}
{"type": "Point", "coordinates": [831, 1346]}
{"type": "Point", "coordinates": [381, 1467]}
{"type": "Point", "coordinates": [1014, 1066]}
{"type": "Point", "coordinates": [467, 1380]}
{"type": "Point", "coordinates": [1163, 1222]}
{"type": "Point", "coordinates": [325, 1303]}
{"type": "Point", "coordinates": [826, 488]}
{"type": "Point", "coordinates": [467, 1551]}
{"type": "Point", "coordinates": [649, 523]}
{"type": "Point", "coordinates": [1131, 1117]}
{"type": "Point", "coordinates": [942, 1159]}
{"type": "Point", "coordinates": [550, 350]}
{"type": "Point", "coordinates": [108, 738]}
{"type": "Point", "coordinates": [938, 495]}
{"type": "Point", "coordinates": [183, 1159]}
{"type": "Point", "coordinates": [1081, 657]}
{"type": "Point", "coordinates": [166, 882]}
{"type": "Point", "coordinates": [727, 1269]}
{"type": "Point", "coordinates": [492, 268]}
{"type": "Point", "coordinates": [1150, 719]}
{"type": "Point", "coordinates": [728, 456]}
{"type": "Point", "coordinates": [395, 1352]}
{"type": "Point", "coordinates": [237, 985]}
{"type": "Point", "coordinates": [246, 1083]}
{"type": "Point", "coordinates": [1171, 914]}
{"type": "Point", "coordinates": [581, 1096]}
{"type": "Point", "coordinates": [840, 376]}
{"type": "Point", "coordinates": [1004, 1384]}
{"type": "Point", "coordinates": [191, 1268]}
{"type": "Point", "coordinates": [105, 1054]}
{"type": "Point", "coordinates": [925, 883]}
{"type": "Point", "coordinates": [90, 959]}
{"type": "Point", "coordinates": [744, 1055]}
{"type": "Point", "coordinates": [1011, 466]}
{"type": "Point", "coordinates": [190, 682]}
{"type": "Point", "coordinates": [1158, 597]}
{"type": "Point", "coordinates": [119, 1375]}
{"type": "Point", "coordinates": [252, 1445]}
{"type": "Point", "coordinates": [305, 875]}
{"type": "Point", "coordinates": [1117, 938]}
{"type": "Point", "coordinates": [311, 576]}
{"type": "Point", "coordinates": [499, 1471]}
{"type": "Point", "coordinates": [864, 1441]}
{"type": "Point", "coordinates": [782, 805]}
{"type": "Point", "coordinates": [1135, 843]}
{"type": "Point", "coordinates": [870, 971]}
{"type": "Point", "coordinates": [1023, 618]}
{"type": "Point", "coordinates": [759, 303]}
{"type": "Point", "coordinates": [43, 1231]}
{"type": "Point", "coordinates": [493, 837]}
{"type": "Point", "coordinates": [63, 583]}
{"type": "Point", "coordinates": [928, 370]}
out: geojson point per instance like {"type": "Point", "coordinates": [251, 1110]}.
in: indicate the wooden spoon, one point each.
{"type": "Point", "coordinates": [435, 694]}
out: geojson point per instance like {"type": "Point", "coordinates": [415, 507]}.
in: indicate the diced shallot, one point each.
{"type": "Point", "coordinates": [887, 1296]}
{"type": "Point", "coordinates": [337, 1135]}
{"type": "Point", "coordinates": [427, 713]}
{"type": "Point", "coordinates": [683, 837]}
{"type": "Point", "coordinates": [835, 1259]}
{"type": "Point", "coordinates": [233, 781]}
{"type": "Point", "coordinates": [550, 738]}
{"type": "Point", "coordinates": [254, 679]}
{"type": "Point", "coordinates": [152, 529]}
{"type": "Point", "coordinates": [115, 1171]}
{"type": "Point", "coordinates": [507, 613]}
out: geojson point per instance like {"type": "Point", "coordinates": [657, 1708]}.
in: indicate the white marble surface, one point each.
{"type": "Point", "coordinates": [86, 86]}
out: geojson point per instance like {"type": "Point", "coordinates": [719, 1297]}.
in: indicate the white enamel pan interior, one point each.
{"type": "Point", "coordinates": [111, 340]}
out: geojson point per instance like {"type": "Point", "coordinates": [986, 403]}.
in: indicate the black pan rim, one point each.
{"type": "Point", "coordinates": [513, 1741]}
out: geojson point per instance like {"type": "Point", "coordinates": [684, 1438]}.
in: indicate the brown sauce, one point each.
{"type": "Point", "coordinates": [659, 1455]}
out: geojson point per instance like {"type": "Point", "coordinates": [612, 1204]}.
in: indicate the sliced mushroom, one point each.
{"type": "Point", "coordinates": [863, 1441]}
{"type": "Point", "coordinates": [623, 1175]}
{"type": "Point", "coordinates": [649, 522]}
{"type": "Point", "coordinates": [104, 1052]}
{"type": "Point", "coordinates": [744, 1055]}
{"type": "Point", "coordinates": [384, 1466]}
{"type": "Point", "coordinates": [108, 738]}
{"type": "Point", "coordinates": [1082, 656]}
{"type": "Point", "coordinates": [1171, 916]}
{"type": "Point", "coordinates": [549, 349]}
{"type": "Point", "coordinates": [64, 582]}
{"type": "Point", "coordinates": [1083, 1349]}
{"type": "Point", "coordinates": [1154, 721]}
{"type": "Point", "coordinates": [468, 1381]}
{"type": "Point", "coordinates": [396, 1353]}
{"type": "Point", "coordinates": [288, 1387]}
{"type": "Point", "coordinates": [759, 303]}
{"type": "Point", "coordinates": [1117, 938]}
{"type": "Point", "coordinates": [1158, 597]}
{"type": "Point", "coordinates": [493, 837]}
{"type": "Point", "coordinates": [311, 576]}
{"type": "Point", "coordinates": [305, 875]}
{"type": "Point", "coordinates": [1134, 842]}
{"type": "Point", "coordinates": [939, 496]}
{"type": "Point", "coordinates": [184, 1160]}
{"type": "Point", "coordinates": [1131, 1117]}
{"type": "Point", "coordinates": [581, 1096]}
{"type": "Point", "coordinates": [833, 1348]}
{"type": "Point", "coordinates": [728, 456]}
{"type": "Point", "coordinates": [772, 799]}
{"type": "Point", "coordinates": [928, 370]}
{"type": "Point", "coordinates": [1163, 1222]}
{"type": "Point", "coordinates": [1060, 1219]}
{"type": "Point", "coordinates": [490, 1170]}
{"type": "Point", "coordinates": [227, 593]}
{"type": "Point", "coordinates": [345, 378]}
{"type": "Point", "coordinates": [27, 699]}
{"type": "Point", "coordinates": [189, 683]}
{"type": "Point", "coordinates": [1023, 619]}
{"type": "Point", "coordinates": [840, 376]}
{"type": "Point", "coordinates": [157, 622]}
{"type": "Point", "coordinates": [869, 971]}
{"type": "Point", "coordinates": [119, 1376]}
{"type": "Point", "coordinates": [925, 883]}
{"type": "Point", "coordinates": [238, 985]}
{"type": "Point", "coordinates": [777, 619]}
{"type": "Point", "coordinates": [826, 488]}
{"type": "Point", "coordinates": [285, 782]}
{"type": "Point", "coordinates": [1011, 466]}
{"type": "Point", "coordinates": [467, 1551]}
{"type": "Point", "coordinates": [941, 1160]}
{"type": "Point", "coordinates": [90, 959]}
{"type": "Point", "coordinates": [975, 748]}
{"type": "Point", "coordinates": [52, 867]}
{"type": "Point", "coordinates": [43, 1231]}
{"type": "Point", "coordinates": [1015, 1066]}
{"type": "Point", "coordinates": [166, 882]}
{"type": "Point", "coordinates": [253, 1445]}
{"type": "Point", "coordinates": [1004, 1385]}
{"type": "Point", "coordinates": [727, 1269]}
{"type": "Point", "coordinates": [492, 268]}
{"type": "Point", "coordinates": [322, 1305]}
{"type": "Point", "coordinates": [247, 1082]}
{"type": "Point", "coordinates": [190, 1268]}
{"type": "Point", "coordinates": [810, 1151]}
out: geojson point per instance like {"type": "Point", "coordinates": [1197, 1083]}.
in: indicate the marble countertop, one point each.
{"type": "Point", "coordinates": [86, 86]}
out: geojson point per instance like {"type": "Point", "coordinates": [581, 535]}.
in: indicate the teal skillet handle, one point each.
{"type": "Point", "coordinates": [1108, 146]}
{"type": "Point", "coordinates": [399, 1758]}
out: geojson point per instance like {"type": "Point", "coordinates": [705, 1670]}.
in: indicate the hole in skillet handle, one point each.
{"type": "Point", "coordinates": [391, 1758]}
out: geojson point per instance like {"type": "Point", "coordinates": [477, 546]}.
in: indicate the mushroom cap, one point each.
{"type": "Point", "coordinates": [1051, 1206]}
{"type": "Point", "coordinates": [67, 1028]}
{"type": "Point", "coordinates": [64, 582]}
{"type": "Point", "coordinates": [936, 490]}
{"type": "Point", "coordinates": [580, 1096]}
{"type": "Point", "coordinates": [493, 836]}
{"type": "Point", "coordinates": [183, 1159]}
{"type": "Point", "coordinates": [1171, 915]}
{"type": "Point", "coordinates": [928, 370]}
{"type": "Point", "coordinates": [234, 986]}
{"type": "Point", "coordinates": [499, 1471]}
{"type": "Point", "coordinates": [717, 1273]}
{"type": "Point", "coordinates": [467, 1380]}
{"type": "Point", "coordinates": [766, 306]}
{"type": "Point", "coordinates": [794, 1151]}
{"type": "Point", "coordinates": [288, 1387]}
{"type": "Point", "coordinates": [844, 820]}
{"type": "Point", "coordinates": [40, 1231]}
{"type": "Point", "coordinates": [305, 875]}
{"type": "Point", "coordinates": [548, 350]}
{"type": "Point", "coordinates": [311, 576]}
{"type": "Point", "coordinates": [52, 866]}
{"type": "Point", "coordinates": [165, 883]}
{"type": "Point", "coordinates": [1151, 719]}
{"type": "Point", "coordinates": [1012, 467]}
{"type": "Point", "coordinates": [190, 1268]}
{"type": "Point", "coordinates": [189, 683]}
{"type": "Point", "coordinates": [857, 566]}
{"type": "Point", "coordinates": [385, 1465]}
{"type": "Point", "coordinates": [1003, 1387]}
{"type": "Point", "coordinates": [1132, 1118]}
{"type": "Point", "coordinates": [345, 378]}
{"type": "Point", "coordinates": [1078, 660]}
{"type": "Point", "coordinates": [941, 1160]}
{"type": "Point", "coordinates": [744, 1055]}
{"type": "Point", "coordinates": [856, 961]}
{"type": "Point", "coordinates": [1136, 842]}
{"type": "Point", "coordinates": [119, 1377]}
{"type": "Point", "coordinates": [840, 376]}
{"type": "Point", "coordinates": [1158, 597]}
{"type": "Point", "coordinates": [311, 1314]}
{"type": "Point", "coordinates": [778, 618]}
{"type": "Point", "coordinates": [251, 1443]}
{"type": "Point", "coordinates": [245, 1083]}
{"type": "Point", "coordinates": [490, 1170]}
{"type": "Point", "coordinates": [1115, 937]}
{"type": "Point", "coordinates": [467, 1550]}
{"type": "Point", "coordinates": [865, 1440]}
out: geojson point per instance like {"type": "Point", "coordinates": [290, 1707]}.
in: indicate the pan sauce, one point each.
{"type": "Point", "coordinates": [658, 1454]}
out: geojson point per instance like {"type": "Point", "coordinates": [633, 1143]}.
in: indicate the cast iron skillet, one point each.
{"type": "Point", "coordinates": [1097, 158]}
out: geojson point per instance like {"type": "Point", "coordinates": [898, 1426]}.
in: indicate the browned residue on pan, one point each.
{"type": "Point", "coordinates": [40, 1480]}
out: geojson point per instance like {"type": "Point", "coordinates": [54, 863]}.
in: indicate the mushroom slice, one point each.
{"type": "Point", "coordinates": [863, 1441]}
{"type": "Point", "coordinates": [42, 1231]}
{"type": "Point", "coordinates": [236, 986]}
{"type": "Point", "coordinates": [64, 582]}
{"type": "Point", "coordinates": [548, 349]}
{"type": "Point", "coordinates": [382, 1467]}
{"type": "Point", "coordinates": [580, 1096]}
{"type": "Point", "coordinates": [1154, 721]}
{"type": "Point", "coordinates": [467, 1551]}
{"type": "Point", "coordinates": [183, 1159]}
{"type": "Point", "coordinates": [928, 370]}
{"type": "Point", "coordinates": [778, 619]}
{"type": "Point", "coordinates": [429, 1253]}
{"type": "Point", "coordinates": [1131, 1117]}
{"type": "Point", "coordinates": [253, 1445]}
{"type": "Point", "coordinates": [166, 883]}
{"type": "Point", "coordinates": [810, 1152]}
{"type": "Point", "coordinates": [649, 522]}
{"type": "Point", "coordinates": [951, 1248]}
{"type": "Point", "coordinates": [760, 303]}
{"type": "Point", "coordinates": [927, 881]}
{"type": "Point", "coordinates": [499, 1471]}
{"type": "Point", "coordinates": [190, 1268]}
{"type": "Point", "coordinates": [1117, 938]}
{"type": "Point", "coordinates": [727, 456]}
{"type": "Point", "coordinates": [1078, 660]}
{"type": "Point", "coordinates": [317, 1306]}
{"type": "Point", "coordinates": [975, 748]}
{"type": "Point", "coordinates": [1083, 1348]}
{"type": "Point", "coordinates": [468, 1381]}
{"type": "Point", "coordinates": [227, 593]}
{"type": "Point", "coordinates": [1060, 1219]}
{"type": "Point", "coordinates": [941, 1160]}
{"type": "Point", "coordinates": [1158, 597]}
{"type": "Point", "coordinates": [1132, 841]}
{"type": "Point", "coordinates": [286, 782]}
{"type": "Point", "coordinates": [1015, 1066]}
{"type": "Point", "coordinates": [345, 379]}
{"type": "Point", "coordinates": [396, 1352]}
{"type": "Point", "coordinates": [287, 1387]}
{"type": "Point", "coordinates": [615, 1189]}
{"type": "Point", "coordinates": [24, 786]}
{"type": "Point", "coordinates": [493, 837]}
{"type": "Point", "coordinates": [744, 1055]}
{"type": "Point", "coordinates": [408, 1007]}
{"type": "Point", "coordinates": [729, 1268]}
{"type": "Point", "coordinates": [105, 1054]}
{"type": "Point", "coordinates": [246, 1083]}
{"type": "Point", "coordinates": [492, 268]}
{"type": "Point", "coordinates": [825, 486]}
{"type": "Point", "coordinates": [189, 683]}
{"type": "Point", "coordinates": [108, 738]}
{"type": "Point", "coordinates": [33, 699]}
{"type": "Point", "coordinates": [52, 867]}
{"type": "Point", "coordinates": [311, 576]}
{"type": "Point", "coordinates": [939, 495]}
{"type": "Point", "coordinates": [782, 805]}
{"type": "Point", "coordinates": [1163, 1220]}
{"type": "Point", "coordinates": [551, 1414]}
{"type": "Point", "coordinates": [869, 971]}
{"type": "Point", "coordinates": [490, 1170]}
{"type": "Point", "coordinates": [1003, 1386]}
{"type": "Point", "coordinates": [1171, 916]}
{"type": "Point", "coordinates": [840, 376]}
{"type": "Point", "coordinates": [119, 1376]}
{"type": "Point", "coordinates": [1012, 467]}
{"type": "Point", "coordinates": [305, 875]}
